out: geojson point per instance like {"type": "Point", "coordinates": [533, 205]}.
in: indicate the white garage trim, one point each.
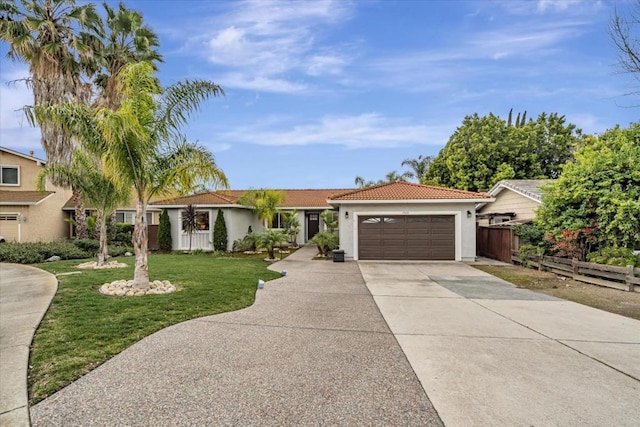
{"type": "Point", "coordinates": [456, 214]}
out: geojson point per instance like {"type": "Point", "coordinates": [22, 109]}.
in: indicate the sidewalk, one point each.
{"type": "Point", "coordinates": [25, 295]}
{"type": "Point", "coordinates": [312, 350]}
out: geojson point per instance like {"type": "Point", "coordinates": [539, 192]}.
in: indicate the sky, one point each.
{"type": "Point", "coordinates": [319, 92]}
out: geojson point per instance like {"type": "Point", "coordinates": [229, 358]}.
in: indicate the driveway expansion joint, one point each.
{"type": "Point", "coordinates": [265, 325]}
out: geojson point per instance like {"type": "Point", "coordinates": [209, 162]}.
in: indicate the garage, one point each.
{"type": "Point", "coordinates": [406, 237]}
{"type": "Point", "coordinates": [10, 227]}
{"type": "Point", "coordinates": [406, 221]}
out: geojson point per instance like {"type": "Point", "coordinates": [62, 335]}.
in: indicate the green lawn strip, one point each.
{"type": "Point", "coordinates": [82, 328]}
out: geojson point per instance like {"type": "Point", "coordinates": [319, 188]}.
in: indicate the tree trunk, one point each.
{"type": "Point", "coordinates": [81, 217]}
{"type": "Point", "coordinates": [103, 254]}
{"type": "Point", "coordinates": [140, 243]}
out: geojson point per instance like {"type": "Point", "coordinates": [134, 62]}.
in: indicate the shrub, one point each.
{"type": "Point", "coordinates": [164, 232]}
{"type": "Point", "coordinates": [115, 251]}
{"type": "Point", "coordinates": [123, 233]}
{"type": "Point", "coordinates": [88, 245]}
{"type": "Point", "coordinates": [247, 243]}
{"type": "Point", "coordinates": [528, 249]}
{"type": "Point", "coordinates": [269, 240]}
{"type": "Point", "coordinates": [220, 233]}
{"type": "Point", "coordinates": [529, 233]}
{"type": "Point", "coordinates": [325, 242]}
{"type": "Point", "coordinates": [30, 253]}
{"type": "Point", "coordinates": [615, 256]}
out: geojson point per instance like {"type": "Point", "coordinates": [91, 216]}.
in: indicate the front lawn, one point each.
{"type": "Point", "coordinates": [83, 328]}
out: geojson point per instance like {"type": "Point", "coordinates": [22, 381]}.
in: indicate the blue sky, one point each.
{"type": "Point", "coordinates": [319, 92]}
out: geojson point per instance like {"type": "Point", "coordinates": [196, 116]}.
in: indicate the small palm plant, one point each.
{"type": "Point", "coordinates": [189, 221]}
{"type": "Point", "coordinates": [269, 240]}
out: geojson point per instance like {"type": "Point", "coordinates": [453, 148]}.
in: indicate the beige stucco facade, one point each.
{"type": "Point", "coordinates": [41, 220]}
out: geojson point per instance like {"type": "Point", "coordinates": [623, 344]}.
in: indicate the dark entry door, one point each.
{"type": "Point", "coordinates": [313, 225]}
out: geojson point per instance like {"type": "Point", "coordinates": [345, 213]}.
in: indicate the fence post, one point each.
{"type": "Point", "coordinates": [541, 263]}
{"type": "Point", "coordinates": [629, 278]}
{"type": "Point", "coordinates": [574, 264]}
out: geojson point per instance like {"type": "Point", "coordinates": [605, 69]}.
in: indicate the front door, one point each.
{"type": "Point", "coordinates": [313, 225]}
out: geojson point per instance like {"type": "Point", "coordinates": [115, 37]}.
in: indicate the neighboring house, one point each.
{"type": "Point", "coordinates": [406, 221]}
{"type": "Point", "coordinates": [238, 218]}
{"type": "Point", "coordinates": [516, 201]}
{"type": "Point", "coordinates": [27, 215]}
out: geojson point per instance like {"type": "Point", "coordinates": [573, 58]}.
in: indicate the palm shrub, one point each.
{"type": "Point", "coordinates": [292, 226]}
{"type": "Point", "coordinates": [220, 233]}
{"type": "Point", "coordinates": [326, 241]}
{"type": "Point", "coordinates": [164, 232]}
{"type": "Point", "coordinates": [329, 219]}
{"type": "Point", "coordinates": [269, 239]}
{"type": "Point", "coordinates": [189, 221]}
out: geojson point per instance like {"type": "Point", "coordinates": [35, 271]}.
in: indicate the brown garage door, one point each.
{"type": "Point", "coordinates": [409, 237]}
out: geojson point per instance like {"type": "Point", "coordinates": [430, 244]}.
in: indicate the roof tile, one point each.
{"type": "Point", "coordinates": [401, 190]}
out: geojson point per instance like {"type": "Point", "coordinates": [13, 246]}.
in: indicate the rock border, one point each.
{"type": "Point", "coordinates": [124, 288]}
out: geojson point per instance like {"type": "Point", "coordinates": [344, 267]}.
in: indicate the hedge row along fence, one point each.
{"type": "Point", "coordinates": [624, 278]}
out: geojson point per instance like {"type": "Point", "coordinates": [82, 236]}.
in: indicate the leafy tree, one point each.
{"type": "Point", "coordinates": [418, 167]}
{"type": "Point", "coordinates": [264, 203]}
{"type": "Point", "coordinates": [484, 150]}
{"type": "Point", "coordinates": [392, 176]}
{"type": "Point", "coordinates": [164, 232]}
{"type": "Point", "coordinates": [269, 239]}
{"type": "Point", "coordinates": [220, 239]}
{"type": "Point", "coordinates": [598, 194]}
{"type": "Point", "coordinates": [100, 191]}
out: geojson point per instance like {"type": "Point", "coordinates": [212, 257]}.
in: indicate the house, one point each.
{"type": "Point", "coordinates": [406, 221]}
{"type": "Point", "coordinates": [516, 201]}
{"type": "Point", "coordinates": [28, 215]}
{"type": "Point", "coordinates": [309, 204]}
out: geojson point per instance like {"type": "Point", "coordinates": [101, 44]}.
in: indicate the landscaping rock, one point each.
{"type": "Point", "coordinates": [128, 254]}
{"type": "Point", "coordinates": [53, 258]}
{"type": "Point", "coordinates": [122, 288]}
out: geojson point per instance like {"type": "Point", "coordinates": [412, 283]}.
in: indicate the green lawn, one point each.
{"type": "Point", "coordinates": [83, 328]}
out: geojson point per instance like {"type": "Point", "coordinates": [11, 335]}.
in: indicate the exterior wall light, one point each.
{"type": "Point", "coordinates": [346, 214]}
{"type": "Point", "coordinates": [468, 214]}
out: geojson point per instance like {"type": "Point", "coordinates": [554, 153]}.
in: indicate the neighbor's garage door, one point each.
{"type": "Point", "coordinates": [425, 237]}
{"type": "Point", "coordinates": [9, 227]}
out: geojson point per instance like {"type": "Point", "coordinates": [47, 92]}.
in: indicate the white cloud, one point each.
{"type": "Point", "coordinates": [368, 130]}
{"type": "Point", "coordinates": [261, 83]}
{"type": "Point", "coordinates": [15, 131]}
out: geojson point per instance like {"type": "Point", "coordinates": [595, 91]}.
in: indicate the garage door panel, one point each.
{"type": "Point", "coordinates": [424, 237]}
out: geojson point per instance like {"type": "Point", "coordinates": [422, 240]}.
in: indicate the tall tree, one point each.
{"type": "Point", "coordinates": [49, 36]}
{"type": "Point", "coordinates": [599, 191]}
{"type": "Point", "coordinates": [53, 37]}
{"type": "Point", "coordinates": [127, 40]}
{"type": "Point", "coordinates": [392, 176]}
{"type": "Point", "coordinates": [140, 145]}
{"type": "Point", "coordinates": [484, 150]}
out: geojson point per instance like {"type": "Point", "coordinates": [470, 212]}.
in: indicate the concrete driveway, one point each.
{"type": "Point", "coordinates": [488, 353]}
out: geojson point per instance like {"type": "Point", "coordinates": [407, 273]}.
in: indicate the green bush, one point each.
{"type": "Point", "coordinates": [247, 243]}
{"type": "Point", "coordinates": [529, 233]}
{"type": "Point", "coordinates": [30, 253]}
{"type": "Point", "coordinates": [123, 233]}
{"type": "Point", "coordinates": [527, 250]}
{"type": "Point", "coordinates": [220, 233]}
{"type": "Point", "coordinates": [269, 239]}
{"type": "Point", "coordinates": [325, 242]}
{"type": "Point", "coordinates": [615, 256]}
{"type": "Point", "coordinates": [88, 245]}
{"type": "Point", "coordinates": [164, 232]}
{"type": "Point", "coordinates": [116, 251]}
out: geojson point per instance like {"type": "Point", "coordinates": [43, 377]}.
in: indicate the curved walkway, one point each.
{"type": "Point", "coordinates": [313, 350]}
{"type": "Point", "coordinates": [25, 295]}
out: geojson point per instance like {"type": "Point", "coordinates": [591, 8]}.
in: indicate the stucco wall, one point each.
{"type": "Point", "coordinates": [44, 222]}
{"type": "Point", "coordinates": [465, 227]}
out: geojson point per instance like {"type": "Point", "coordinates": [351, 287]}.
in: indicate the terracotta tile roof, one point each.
{"type": "Point", "coordinates": [23, 197]}
{"type": "Point", "coordinates": [131, 205]}
{"type": "Point", "coordinates": [401, 190]}
{"type": "Point", "coordinates": [307, 198]}
{"type": "Point", "coordinates": [211, 198]}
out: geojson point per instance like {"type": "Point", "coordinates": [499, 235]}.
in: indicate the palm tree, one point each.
{"type": "Point", "coordinates": [264, 203]}
{"type": "Point", "coordinates": [127, 40]}
{"type": "Point", "coordinates": [140, 145]}
{"type": "Point", "coordinates": [85, 173]}
{"type": "Point", "coordinates": [45, 34]}
{"type": "Point", "coordinates": [394, 176]}
{"type": "Point", "coordinates": [51, 37]}
{"type": "Point", "coordinates": [189, 221]}
{"type": "Point", "coordinates": [269, 240]}
{"type": "Point", "coordinates": [418, 167]}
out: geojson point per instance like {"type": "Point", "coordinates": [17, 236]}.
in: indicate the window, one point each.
{"type": "Point", "coordinates": [371, 221]}
{"type": "Point", "coordinates": [278, 221]}
{"type": "Point", "coordinates": [149, 218]}
{"type": "Point", "coordinates": [202, 221]}
{"type": "Point", "coordinates": [126, 217]}
{"type": "Point", "coordinates": [8, 217]}
{"type": "Point", "coordinates": [9, 175]}
{"type": "Point", "coordinates": [391, 220]}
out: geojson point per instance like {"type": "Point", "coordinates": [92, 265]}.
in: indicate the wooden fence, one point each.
{"type": "Point", "coordinates": [624, 278]}
{"type": "Point", "coordinates": [494, 243]}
